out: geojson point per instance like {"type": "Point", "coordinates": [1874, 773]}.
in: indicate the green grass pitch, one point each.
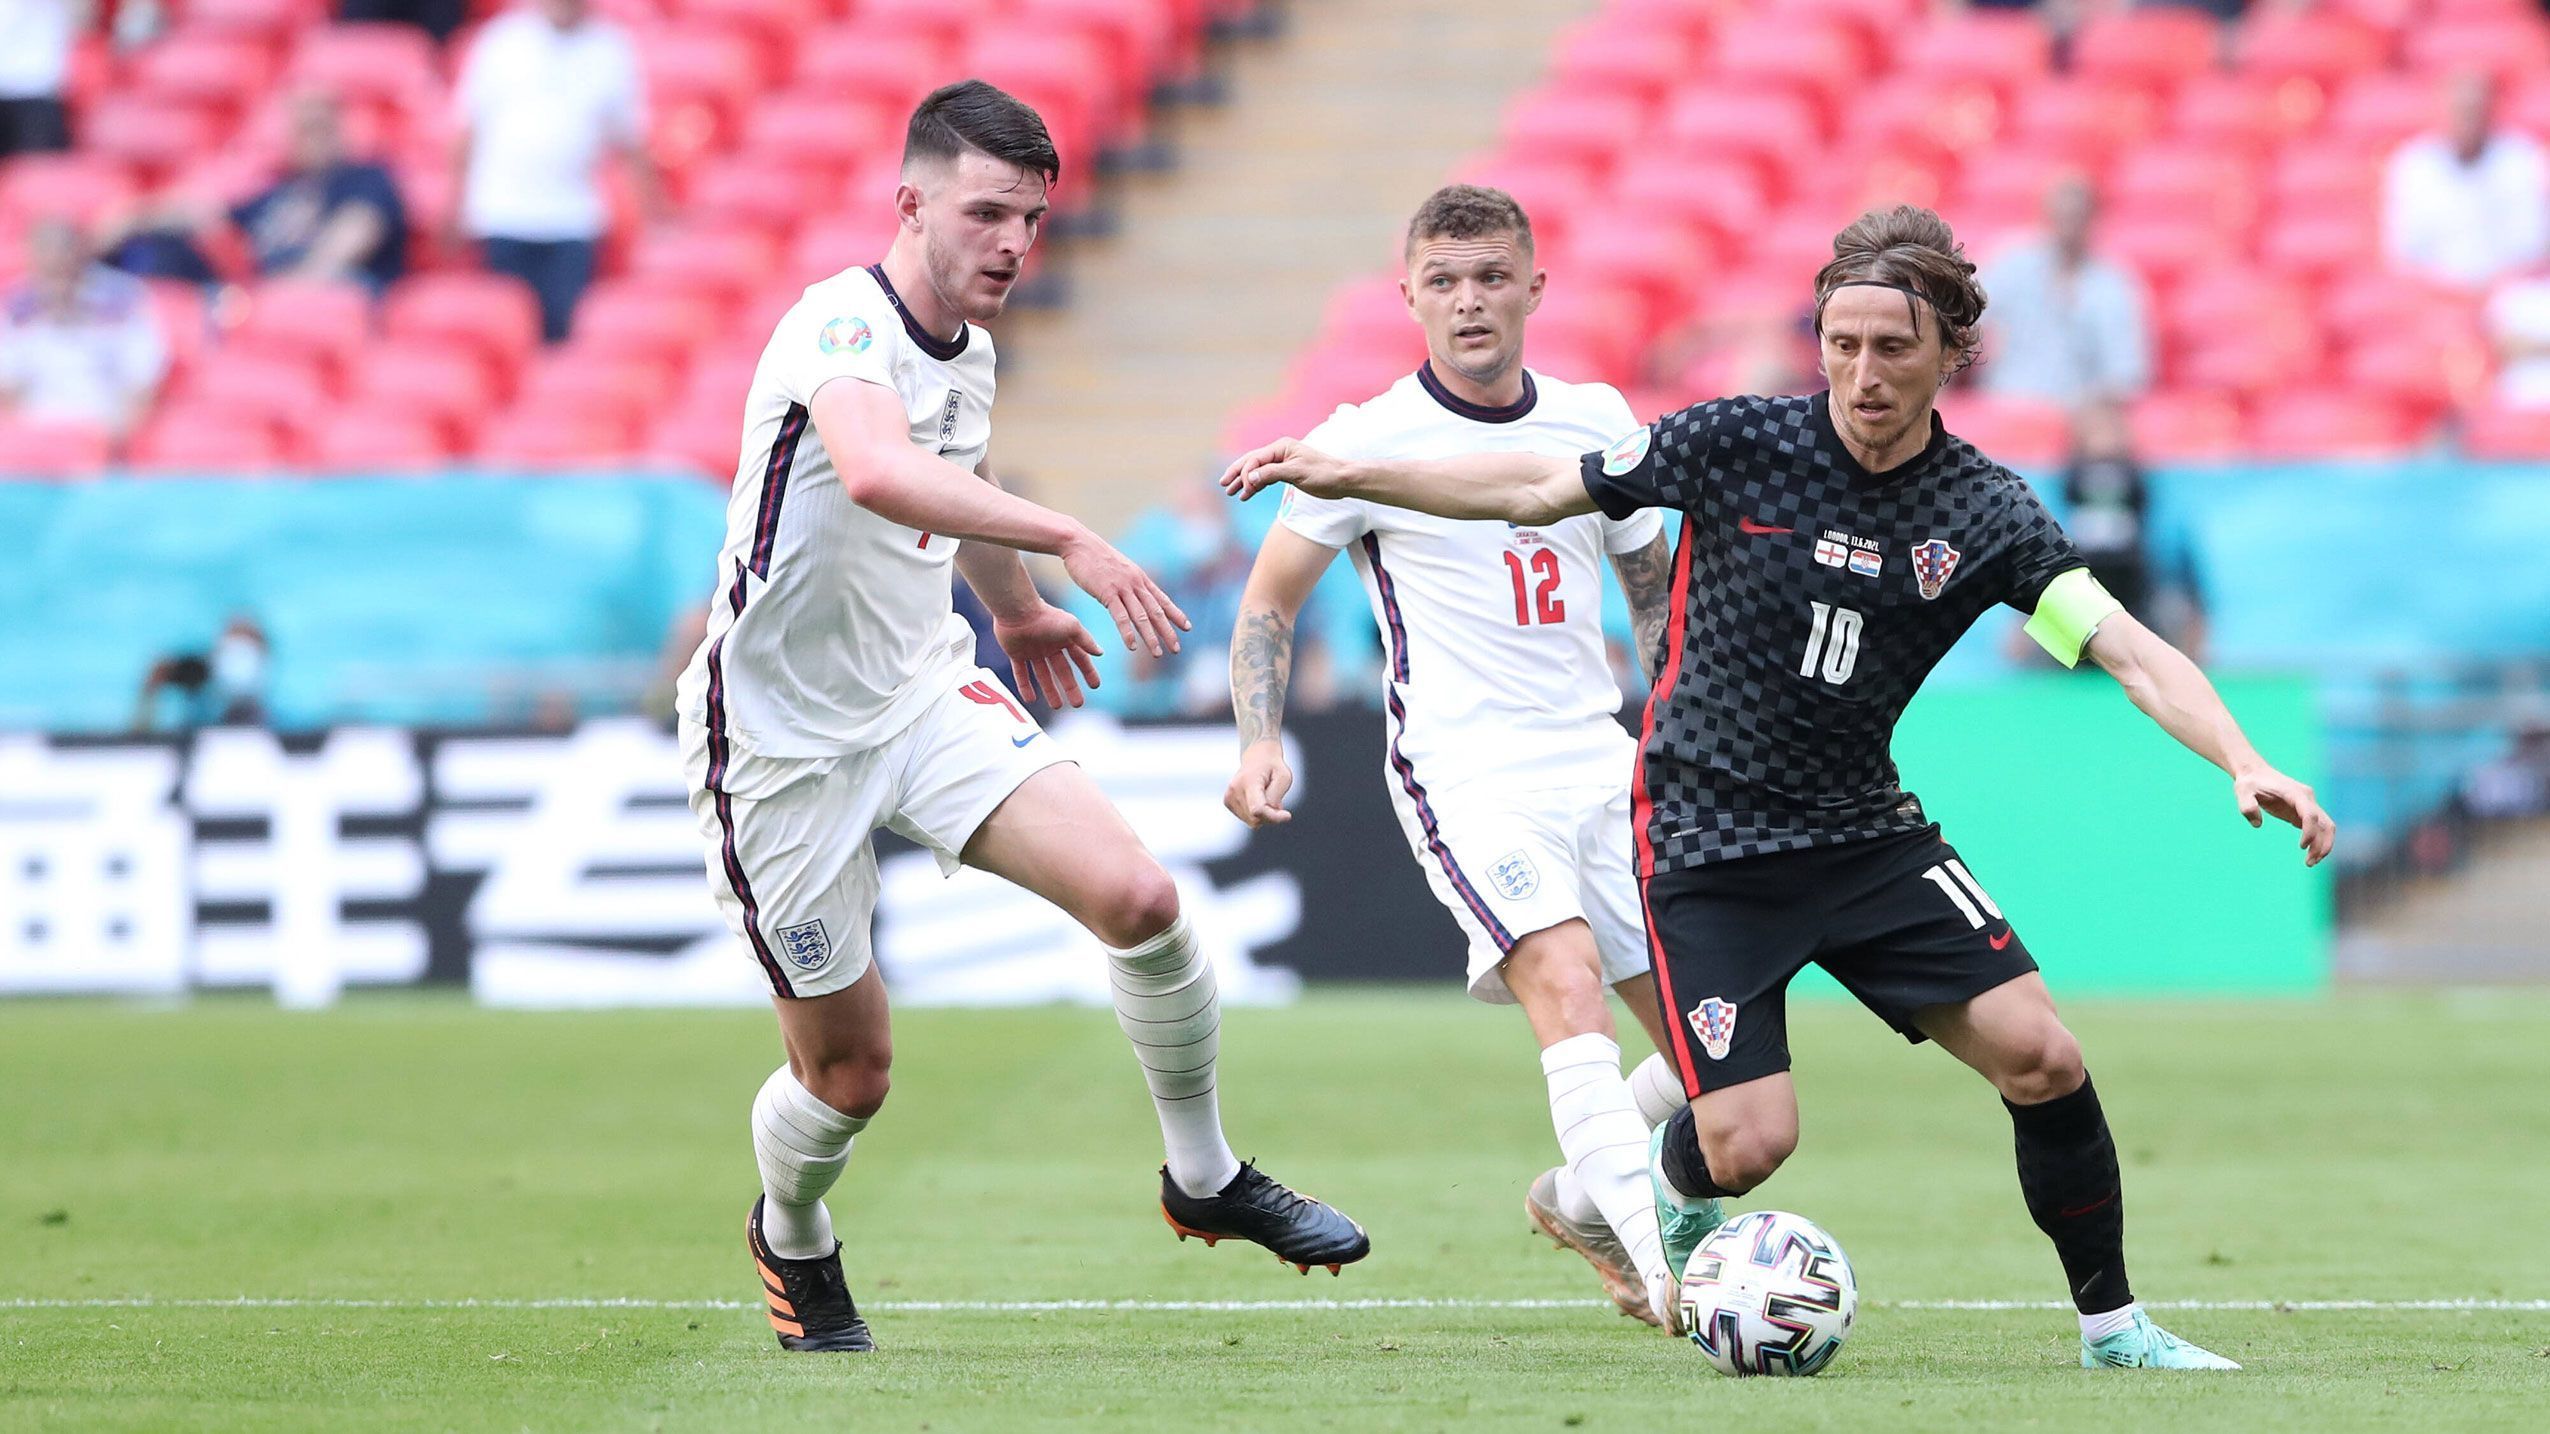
{"type": "Point", "coordinates": [376, 1167]}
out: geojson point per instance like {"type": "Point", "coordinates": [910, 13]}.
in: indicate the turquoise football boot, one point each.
{"type": "Point", "coordinates": [2145, 1345]}
{"type": "Point", "coordinates": [1682, 1224]}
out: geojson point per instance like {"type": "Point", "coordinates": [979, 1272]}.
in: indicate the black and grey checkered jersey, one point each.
{"type": "Point", "coordinates": [1811, 600]}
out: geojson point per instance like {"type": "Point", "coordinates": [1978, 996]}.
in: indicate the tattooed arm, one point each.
{"type": "Point", "coordinates": [1646, 578]}
{"type": "Point", "coordinates": [1288, 567]}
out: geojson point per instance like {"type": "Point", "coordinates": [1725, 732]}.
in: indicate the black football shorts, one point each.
{"type": "Point", "coordinates": [1898, 920]}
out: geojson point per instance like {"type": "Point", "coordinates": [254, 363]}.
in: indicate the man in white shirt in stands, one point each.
{"type": "Point", "coordinates": [2470, 204]}
{"type": "Point", "coordinates": [1506, 761]}
{"type": "Point", "coordinates": [78, 341]}
{"type": "Point", "coordinates": [547, 93]}
{"type": "Point", "coordinates": [835, 692]}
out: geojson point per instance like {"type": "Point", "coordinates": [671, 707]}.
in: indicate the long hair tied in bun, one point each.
{"type": "Point", "coordinates": [1910, 249]}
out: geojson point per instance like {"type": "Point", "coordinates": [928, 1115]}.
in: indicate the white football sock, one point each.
{"type": "Point", "coordinates": [1658, 1089]}
{"type": "Point", "coordinates": [1169, 1007]}
{"type": "Point", "coordinates": [1604, 1141]}
{"type": "Point", "coordinates": [2095, 1327]}
{"type": "Point", "coordinates": [801, 1144]}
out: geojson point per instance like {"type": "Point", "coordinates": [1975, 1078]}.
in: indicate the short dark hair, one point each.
{"type": "Point", "coordinates": [1908, 247]}
{"type": "Point", "coordinates": [1468, 211]}
{"type": "Point", "coordinates": [972, 114]}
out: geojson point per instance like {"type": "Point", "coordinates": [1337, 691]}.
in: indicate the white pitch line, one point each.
{"type": "Point", "coordinates": [247, 1302]}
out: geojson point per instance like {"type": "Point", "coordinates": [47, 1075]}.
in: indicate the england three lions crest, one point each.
{"type": "Point", "coordinates": [1934, 562]}
{"type": "Point", "coordinates": [1713, 1021]}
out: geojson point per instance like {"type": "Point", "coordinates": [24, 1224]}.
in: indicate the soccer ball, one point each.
{"type": "Point", "coordinates": [1769, 1293]}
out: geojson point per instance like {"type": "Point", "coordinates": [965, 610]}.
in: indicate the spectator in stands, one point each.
{"type": "Point", "coordinates": [2518, 318]}
{"type": "Point", "coordinates": [225, 686]}
{"type": "Point", "coordinates": [35, 60]}
{"type": "Point", "coordinates": [2472, 203]}
{"type": "Point", "coordinates": [546, 94]}
{"type": "Point", "coordinates": [438, 18]}
{"type": "Point", "coordinates": [2108, 513]}
{"type": "Point", "coordinates": [78, 341]}
{"type": "Point", "coordinates": [328, 217]}
{"type": "Point", "coordinates": [2065, 325]}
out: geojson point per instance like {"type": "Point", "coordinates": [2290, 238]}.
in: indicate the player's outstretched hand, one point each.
{"type": "Point", "coordinates": [1044, 646]}
{"type": "Point", "coordinates": [1143, 613]}
{"type": "Point", "coordinates": [1286, 460]}
{"type": "Point", "coordinates": [1256, 793]}
{"type": "Point", "coordinates": [2273, 793]}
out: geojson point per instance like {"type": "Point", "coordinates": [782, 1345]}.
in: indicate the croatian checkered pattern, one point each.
{"type": "Point", "coordinates": [1749, 748]}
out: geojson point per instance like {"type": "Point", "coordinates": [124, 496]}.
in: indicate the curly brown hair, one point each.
{"type": "Point", "coordinates": [1911, 248]}
{"type": "Point", "coordinates": [1468, 211]}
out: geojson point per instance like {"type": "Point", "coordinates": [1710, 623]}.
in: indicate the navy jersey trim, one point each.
{"type": "Point", "coordinates": [731, 859]}
{"type": "Point", "coordinates": [774, 488]}
{"type": "Point", "coordinates": [927, 342]}
{"type": "Point", "coordinates": [1478, 412]}
{"type": "Point", "coordinates": [1389, 607]}
{"type": "Point", "coordinates": [1407, 772]}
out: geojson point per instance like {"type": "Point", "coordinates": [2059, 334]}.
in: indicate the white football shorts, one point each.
{"type": "Point", "coordinates": [788, 852]}
{"type": "Point", "coordinates": [1509, 863]}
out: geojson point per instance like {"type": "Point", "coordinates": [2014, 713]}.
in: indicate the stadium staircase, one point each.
{"type": "Point", "coordinates": [1305, 176]}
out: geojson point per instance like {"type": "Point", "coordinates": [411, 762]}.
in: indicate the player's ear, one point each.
{"type": "Point", "coordinates": [1539, 286]}
{"type": "Point", "coordinates": [1408, 296]}
{"type": "Point", "coordinates": [907, 204]}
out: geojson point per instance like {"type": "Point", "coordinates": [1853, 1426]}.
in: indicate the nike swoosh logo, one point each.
{"type": "Point", "coordinates": [1023, 741]}
{"type": "Point", "coordinates": [1753, 529]}
{"type": "Point", "coordinates": [2001, 940]}
{"type": "Point", "coordinates": [2079, 1210]}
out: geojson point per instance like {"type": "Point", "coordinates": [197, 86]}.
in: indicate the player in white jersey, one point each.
{"type": "Point", "coordinates": [1506, 761]}
{"type": "Point", "coordinates": [835, 692]}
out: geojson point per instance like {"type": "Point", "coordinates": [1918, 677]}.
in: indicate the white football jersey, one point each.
{"type": "Point", "coordinates": [828, 620]}
{"type": "Point", "coordinates": [1491, 634]}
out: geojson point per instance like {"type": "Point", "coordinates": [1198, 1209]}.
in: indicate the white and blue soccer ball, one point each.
{"type": "Point", "coordinates": [1769, 1293]}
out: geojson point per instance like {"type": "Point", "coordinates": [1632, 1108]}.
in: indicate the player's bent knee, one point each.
{"type": "Point", "coordinates": [1742, 1158]}
{"type": "Point", "coordinates": [1138, 907]}
{"type": "Point", "coordinates": [855, 1085]}
{"type": "Point", "coordinates": [2046, 1066]}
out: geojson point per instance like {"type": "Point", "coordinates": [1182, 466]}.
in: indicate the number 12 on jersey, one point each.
{"type": "Point", "coordinates": [1832, 643]}
{"type": "Point", "coordinates": [1540, 603]}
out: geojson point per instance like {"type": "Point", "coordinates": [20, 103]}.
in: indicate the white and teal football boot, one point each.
{"type": "Point", "coordinates": [1682, 1224]}
{"type": "Point", "coordinates": [2145, 1345]}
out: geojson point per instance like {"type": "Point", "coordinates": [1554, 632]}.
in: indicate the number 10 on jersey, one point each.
{"type": "Point", "coordinates": [1832, 643]}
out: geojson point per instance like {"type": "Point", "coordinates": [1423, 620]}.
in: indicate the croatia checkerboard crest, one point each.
{"type": "Point", "coordinates": [1713, 1021]}
{"type": "Point", "coordinates": [1934, 562]}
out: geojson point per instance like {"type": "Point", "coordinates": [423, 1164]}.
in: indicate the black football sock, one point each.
{"type": "Point", "coordinates": [1686, 1169]}
{"type": "Point", "coordinates": [2067, 1170]}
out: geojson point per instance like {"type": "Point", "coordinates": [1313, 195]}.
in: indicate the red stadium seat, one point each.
{"type": "Point", "coordinates": [384, 437]}
{"type": "Point", "coordinates": [1552, 195]}
{"type": "Point", "coordinates": [2228, 113]}
{"type": "Point", "coordinates": [153, 135]}
{"type": "Point", "coordinates": [271, 18]}
{"type": "Point", "coordinates": [1063, 76]}
{"type": "Point", "coordinates": [83, 186]}
{"type": "Point", "coordinates": [494, 313]}
{"type": "Point", "coordinates": [890, 68]}
{"type": "Point", "coordinates": [2410, 369]}
{"type": "Point", "coordinates": [2011, 181]}
{"type": "Point", "coordinates": [2378, 111]}
{"type": "Point", "coordinates": [444, 382]}
{"type": "Point", "coordinates": [2087, 120]}
{"type": "Point", "coordinates": [699, 81]}
{"type": "Point", "coordinates": [287, 394]}
{"type": "Point", "coordinates": [1665, 265]}
{"type": "Point", "coordinates": [707, 443]}
{"type": "Point", "coordinates": [728, 260]}
{"type": "Point", "coordinates": [1773, 122]}
{"type": "Point", "coordinates": [1141, 36]}
{"type": "Point", "coordinates": [387, 63]}
{"type": "Point", "coordinates": [2507, 433]}
{"type": "Point", "coordinates": [222, 69]}
{"type": "Point", "coordinates": [2513, 46]}
{"type": "Point", "coordinates": [1729, 195]}
{"type": "Point", "coordinates": [34, 448]}
{"type": "Point", "coordinates": [2023, 433]}
{"type": "Point", "coordinates": [2147, 48]}
{"type": "Point", "coordinates": [1591, 318]}
{"type": "Point", "coordinates": [945, 22]}
{"type": "Point", "coordinates": [616, 389]}
{"type": "Point", "coordinates": [2317, 243]}
{"type": "Point", "coordinates": [2004, 47]}
{"type": "Point", "coordinates": [2277, 44]}
{"type": "Point", "coordinates": [757, 190]}
{"type": "Point", "coordinates": [208, 436]}
{"type": "Point", "coordinates": [539, 439]}
{"type": "Point", "coordinates": [2167, 181]}
{"type": "Point", "coordinates": [1822, 57]}
{"type": "Point", "coordinates": [1599, 57]}
{"type": "Point", "coordinates": [2326, 176]}
{"type": "Point", "coordinates": [2162, 246]}
{"type": "Point", "coordinates": [772, 27]}
{"type": "Point", "coordinates": [2178, 426]}
{"type": "Point", "coordinates": [659, 323]}
{"type": "Point", "coordinates": [816, 129]}
{"type": "Point", "coordinates": [856, 237]}
{"type": "Point", "coordinates": [1555, 126]}
{"type": "Point", "coordinates": [328, 322]}
{"type": "Point", "coordinates": [2330, 425]}
{"type": "Point", "coordinates": [1957, 116]}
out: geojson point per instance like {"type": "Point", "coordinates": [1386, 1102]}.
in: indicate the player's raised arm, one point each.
{"type": "Point", "coordinates": [864, 428]}
{"type": "Point", "coordinates": [2076, 615]}
{"type": "Point", "coordinates": [1288, 567]}
{"type": "Point", "coordinates": [1531, 489]}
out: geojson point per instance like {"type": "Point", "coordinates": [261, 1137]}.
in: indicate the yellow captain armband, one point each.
{"type": "Point", "coordinates": [2068, 612]}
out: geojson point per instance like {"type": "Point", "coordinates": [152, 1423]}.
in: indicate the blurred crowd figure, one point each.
{"type": "Point", "coordinates": [548, 94]}
{"type": "Point", "coordinates": [2065, 323]}
{"type": "Point", "coordinates": [79, 343]}
{"type": "Point", "coordinates": [35, 65]}
{"type": "Point", "coordinates": [2470, 202]}
{"type": "Point", "coordinates": [224, 685]}
{"type": "Point", "coordinates": [327, 217]}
